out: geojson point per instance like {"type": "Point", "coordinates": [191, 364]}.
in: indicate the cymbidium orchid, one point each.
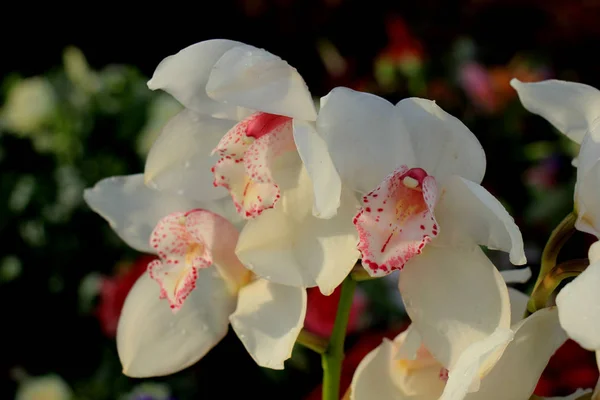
{"type": "Point", "coordinates": [182, 308]}
{"type": "Point", "coordinates": [503, 365]}
{"type": "Point", "coordinates": [573, 109]}
{"type": "Point", "coordinates": [427, 217]}
{"type": "Point", "coordinates": [248, 129]}
{"type": "Point", "coordinates": [417, 170]}
{"type": "Point", "coordinates": [249, 197]}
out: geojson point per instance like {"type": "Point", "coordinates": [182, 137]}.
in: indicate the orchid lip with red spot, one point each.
{"type": "Point", "coordinates": [248, 152]}
{"type": "Point", "coordinates": [397, 220]}
{"type": "Point", "coordinates": [186, 242]}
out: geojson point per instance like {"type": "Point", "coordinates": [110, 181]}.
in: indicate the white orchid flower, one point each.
{"type": "Point", "coordinates": [222, 84]}
{"type": "Point", "coordinates": [503, 364]}
{"type": "Point", "coordinates": [200, 276]}
{"type": "Point", "coordinates": [427, 219]}
{"type": "Point", "coordinates": [248, 128]}
{"type": "Point", "coordinates": [579, 305]}
{"type": "Point", "coordinates": [432, 197]}
{"type": "Point", "coordinates": [573, 109]}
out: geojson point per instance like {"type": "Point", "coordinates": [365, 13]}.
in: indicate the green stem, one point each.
{"type": "Point", "coordinates": [333, 356]}
{"type": "Point", "coordinates": [559, 236]}
{"type": "Point", "coordinates": [311, 341]}
{"type": "Point", "coordinates": [543, 291]}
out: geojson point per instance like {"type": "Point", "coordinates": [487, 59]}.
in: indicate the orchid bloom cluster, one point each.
{"type": "Point", "coordinates": [250, 196]}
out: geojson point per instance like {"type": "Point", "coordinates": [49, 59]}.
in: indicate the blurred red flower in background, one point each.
{"type": "Point", "coordinates": [402, 45]}
{"type": "Point", "coordinates": [569, 369]}
{"type": "Point", "coordinates": [114, 290]}
{"type": "Point", "coordinates": [321, 311]}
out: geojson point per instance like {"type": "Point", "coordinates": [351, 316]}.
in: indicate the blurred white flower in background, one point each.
{"type": "Point", "coordinates": [46, 387]}
{"type": "Point", "coordinates": [29, 105]}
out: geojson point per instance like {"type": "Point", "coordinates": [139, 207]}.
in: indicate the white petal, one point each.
{"type": "Point", "coordinates": [464, 377]}
{"type": "Point", "coordinates": [587, 197]}
{"type": "Point", "coordinates": [132, 209]}
{"type": "Point", "coordinates": [420, 375]}
{"type": "Point", "coordinates": [287, 245]}
{"type": "Point", "coordinates": [518, 305]}
{"type": "Point", "coordinates": [571, 107]}
{"type": "Point", "coordinates": [154, 341]}
{"type": "Point", "coordinates": [517, 372]}
{"type": "Point", "coordinates": [374, 378]}
{"type": "Point", "coordinates": [408, 344]}
{"type": "Point", "coordinates": [579, 308]}
{"type": "Point", "coordinates": [442, 144]}
{"type": "Point", "coordinates": [268, 319]}
{"type": "Point", "coordinates": [184, 76]}
{"type": "Point", "coordinates": [364, 140]}
{"type": "Point", "coordinates": [180, 160]}
{"type": "Point", "coordinates": [467, 212]}
{"type": "Point", "coordinates": [594, 252]}
{"type": "Point", "coordinates": [256, 79]}
{"type": "Point", "coordinates": [516, 275]}
{"type": "Point", "coordinates": [326, 182]}
{"type": "Point", "coordinates": [454, 297]}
